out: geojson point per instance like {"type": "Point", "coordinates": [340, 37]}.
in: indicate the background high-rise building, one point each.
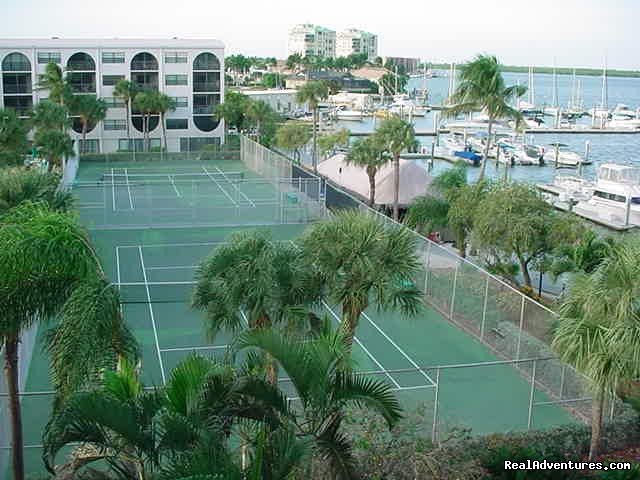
{"type": "Point", "coordinates": [307, 39]}
{"type": "Point", "coordinates": [356, 41]}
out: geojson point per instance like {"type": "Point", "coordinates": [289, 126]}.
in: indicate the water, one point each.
{"type": "Point", "coordinates": [605, 148]}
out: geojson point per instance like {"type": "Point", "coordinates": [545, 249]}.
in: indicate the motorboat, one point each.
{"type": "Point", "coordinates": [616, 195]}
{"type": "Point", "coordinates": [559, 154]}
{"type": "Point", "coordinates": [403, 105]}
{"type": "Point", "coordinates": [623, 112]}
{"type": "Point", "coordinates": [456, 147]}
{"type": "Point", "coordinates": [348, 114]}
{"type": "Point", "coordinates": [513, 152]}
{"type": "Point", "coordinates": [567, 190]}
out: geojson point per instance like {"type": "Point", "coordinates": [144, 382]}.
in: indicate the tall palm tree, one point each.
{"type": "Point", "coordinates": [13, 138]}
{"type": "Point", "coordinates": [598, 331]}
{"type": "Point", "coordinates": [325, 387]}
{"type": "Point", "coordinates": [268, 282]}
{"type": "Point", "coordinates": [481, 87]}
{"type": "Point", "coordinates": [164, 104]}
{"type": "Point", "coordinates": [90, 110]}
{"type": "Point", "coordinates": [395, 135]}
{"type": "Point", "coordinates": [51, 116]}
{"type": "Point", "coordinates": [312, 93]}
{"type": "Point", "coordinates": [147, 104]}
{"type": "Point", "coordinates": [126, 91]}
{"type": "Point", "coordinates": [362, 260]}
{"type": "Point", "coordinates": [259, 112]}
{"type": "Point", "coordinates": [367, 154]}
{"type": "Point", "coordinates": [293, 136]}
{"type": "Point", "coordinates": [49, 269]}
{"type": "Point", "coordinates": [54, 80]}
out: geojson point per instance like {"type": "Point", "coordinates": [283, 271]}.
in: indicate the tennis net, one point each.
{"type": "Point", "coordinates": [110, 179]}
{"type": "Point", "coordinates": [155, 292]}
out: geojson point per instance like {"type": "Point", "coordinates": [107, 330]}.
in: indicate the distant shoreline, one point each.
{"type": "Point", "coordinates": [592, 72]}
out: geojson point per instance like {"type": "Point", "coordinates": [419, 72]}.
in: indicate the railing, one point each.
{"type": "Point", "coordinates": [143, 65]}
{"type": "Point", "coordinates": [16, 67]}
{"type": "Point", "coordinates": [81, 66]}
{"type": "Point", "coordinates": [17, 89]}
{"type": "Point", "coordinates": [206, 86]}
{"type": "Point", "coordinates": [204, 110]}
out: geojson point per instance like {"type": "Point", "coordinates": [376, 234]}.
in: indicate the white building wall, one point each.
{"type": "Point", "coordinates": [307, 39]}
{"type": "Point", "coordinates": [356, 41]}
{"type": "Point", "coordinates": [109, 138]}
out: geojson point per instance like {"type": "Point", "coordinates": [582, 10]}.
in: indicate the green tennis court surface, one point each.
{"type": "Point", "coordinates": [152, 227]}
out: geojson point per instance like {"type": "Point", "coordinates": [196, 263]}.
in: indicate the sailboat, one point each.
{"type": "Point", "coordinates": [576, 105]}
{"type": "Point", "coordinates": [554, 110]}
{"type": "Point", "coordinates": [601, 112]}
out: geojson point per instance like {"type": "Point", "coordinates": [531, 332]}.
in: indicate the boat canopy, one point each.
{"type": "Point", "coordinates": [619, 173]}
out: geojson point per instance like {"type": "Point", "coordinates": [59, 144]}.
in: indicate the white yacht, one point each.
{"type": "Point", "coordinates": [622, 112]}
{"type": "Point", "coordinates": [347, 114]}
{"type": "Point", "coordinates": [567, 190]}
{"type": "Point", "coordinates": [616, 195]}
{"type": "Point", "coordinates": [559, 153]}
{"type": "Point", "coordinates": [403, 105]}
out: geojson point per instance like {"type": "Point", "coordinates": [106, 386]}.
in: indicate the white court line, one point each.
{"type": "Point", "coordinates": [363, 347]}
{"type": "Point", "coordinates": [118, 264]}
{"type": "Point", "coordinates": [113, 190]}
{"type": "Point", "coordinates": [402, 352]}
{"type": "Point", "coordinates": [219, 186]}
{"type": "Point", "coordinates": [189, 349]}
{"type": "Point", "coordinates": [158, 245]}
{"type": "Point", "coordinates": [153, 320]}
{"type": "Point", "coordinates": [173, 183]}
{"type": "Point", "coordinates": [235, 186]}
{"type": "Point", "coordinates": [126, 178]}
{"type": "Point", "coordinates": [177, 267]}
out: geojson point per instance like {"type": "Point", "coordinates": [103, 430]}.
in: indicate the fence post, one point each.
{"type": "Point", "coordinates": [562, 374]}
{"type": "Point", "coordinates": [453, 293]}
{"type": "Point", "coordinates": [613, 407]}
{"type": "Point", "coordinates": [520, 328]}
{"type": "Point", "coordinates": [531, 394]}
{"type": "Point", "coordinates": [484, 308]}
{"type": "Point", "coordinates": [434, 427]}
{"type": "Point", "coordinates": [426, 268]}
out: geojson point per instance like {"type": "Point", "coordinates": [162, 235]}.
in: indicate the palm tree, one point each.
{"type": "Point", "coordinates": [259, 112]}
{"type": "Point", "coordinates": [49, 269]}
{"type": "Point", "coordinates": [55, 146]}
{"type": "Point", "coordinates": [481, 87]}
{"type": "Point", "coordinates": [90, 110]}
{"type": "Point", "coordinates": [325, 387]}
{"type": "Point", "coordinates": [58, 85]}
{"type": "Point", "coordinates": [147, 104]}
{"type": "Point", "coordinates": [598, 331]}
{"type": "Point", "coordinates": [268, 282]}
{"type": "Point", "coordinates": [19, 185]}
{"type": "Point", "coordinates": [293, 136]}
{"type": "Point", "coordinates": [164, 104]}
{"type": "Point", "coordinates": [13, 138]}
{"type": "Point", "coordinates": [126, 90]}
{"type": "Point", "coordinates": [395, 135]}
{"type": "Point", "coordinates": [51, 116]}
{"type": "Point", "coordinates": [366, 154]}
{"type": "Point", "coordinates": [179, 432]}
{"type": "Point", "coordinates": [312, 93]}
{"type": "Point", "coordinates": [362, 260]}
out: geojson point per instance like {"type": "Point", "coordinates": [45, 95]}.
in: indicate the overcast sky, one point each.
{"type": "Point", "coordinates": [575, 32]}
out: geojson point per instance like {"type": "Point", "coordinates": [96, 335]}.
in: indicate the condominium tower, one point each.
{"type": "Point", "coordinates": [356, 41]}
{"type": "Point", "coordinates": [308, 40]}
{"type": "Point", "coordinates": [189, 71]}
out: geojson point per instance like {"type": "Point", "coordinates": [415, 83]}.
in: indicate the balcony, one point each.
{"type": "Point", "coordinates": [144, 65]}
{"type": "Point", "coordinates": [81, 87]}
{"type": "Point", "coordinates": [24, 89]}
{"type": "Point", "coordinates": [203, 110]}
{"type": "Point", "coordinates": [16, 66]}
{"type": "Point", "coordinates": [206, 86]}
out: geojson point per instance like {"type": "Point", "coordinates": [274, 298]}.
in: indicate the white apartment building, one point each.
{"type": "Point", "coordinates": [190, 71]}
{"type": "Point", "coordinates": [353, 40]}
{"type": "Point", "coordinates": [307, 39]}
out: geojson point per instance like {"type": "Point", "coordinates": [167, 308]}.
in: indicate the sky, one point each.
{"type": "Point", "coordinates": [573, 33]}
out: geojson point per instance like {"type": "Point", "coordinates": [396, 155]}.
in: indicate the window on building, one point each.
{"type": "Point", "coordinates": [89, 145]}
{"type": "Point", "coordinates": [112, 57]}
{"type": "Point", "coordinates": [175, 80]}
{"type": "Point", "coordinates": [137, 144]}
{"type": "Point", "coordinates": [175, 57]}
{"type": "Point", "coordinates": [115, 125]}
{"type": "Point", "coordinates": [177, 124]}
{"type": "Point", "coordinates": [108, 80]}
{"type": "Point", "coordinates": [180, 101]}
{"type": "Point", "coordinates": [49, 57]}
{"type": "Point", "coordinates": [113, 102]}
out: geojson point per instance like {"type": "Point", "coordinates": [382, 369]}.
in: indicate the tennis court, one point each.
{"type": "Point", "coordinates": [153, 223]}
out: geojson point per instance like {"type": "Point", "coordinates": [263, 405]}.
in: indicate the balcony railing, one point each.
{"type": "Point", "coordinates": [16, 66]}
{"type": "Point", "coordinates": [23, 89]}
{"type": "Point", "coordinates": [204, 110]}
{"type": "Point", "coordinates": [141, 65]}
{"type": "Point", "coordinates": [81, 66]}
{"type": "Point", "coordinates": [206, 86]}
{"type": "Point", "coordinates": [83, 87]}
{"type": "Point", "coordinates": [205, 65]}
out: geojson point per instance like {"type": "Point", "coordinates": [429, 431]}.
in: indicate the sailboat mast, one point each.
{"type": "Point", "coordinates": [604, 100]}
{"type": "Point", "coordinates": [554, 100]}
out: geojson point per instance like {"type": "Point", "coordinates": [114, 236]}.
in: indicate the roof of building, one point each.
{"type": "Point", "coordinates": [414, 179]}
{"type": "Point", "coordinates": [373, 74]}
{"type": "Point", "coordinates": [56, 42]}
